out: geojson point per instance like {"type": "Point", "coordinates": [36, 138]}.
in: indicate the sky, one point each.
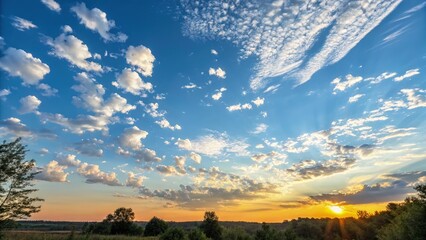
{"type": "Point", "coordinates": [258, 110]}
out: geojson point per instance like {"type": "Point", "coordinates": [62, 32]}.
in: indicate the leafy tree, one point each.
{"type": "Point", "coordinates": [155, 227]}
{"type": "Point", "coordinates": [211, 227]}
{"type": "Point", "coordinates": [196, 234]}
{"type": "Point", "coordinates": [409, 220]}
{"type": "Point", "coordinates": [174, 234]}
{"type": "Point", "coordinates": [236, 234]}
{"type": "Point", "coordinates": [121, 220]}
{"type": "Point", "coordinates": [267, 233]}
{"type": "Point", "coordinates": [16, 182]}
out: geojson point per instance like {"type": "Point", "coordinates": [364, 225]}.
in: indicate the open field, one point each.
{"type": "Point", "coordinates": [65, 235]}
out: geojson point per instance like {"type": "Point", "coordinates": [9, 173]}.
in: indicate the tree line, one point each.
{"type": "Point", "coordinates": [405, 220]}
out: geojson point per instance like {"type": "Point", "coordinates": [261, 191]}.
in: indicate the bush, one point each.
{"type": "Point", "coordinates": [155, 227]}
{"type": "Point", "coordinates": [174, 234]}
{"type": "Point", "coordinates": [196, 234]}
{"type": "Point", "coordinates": [236, 234]}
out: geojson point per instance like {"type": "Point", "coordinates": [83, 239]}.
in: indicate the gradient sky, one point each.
{"type": "Point", "coordinates": [258, 110]}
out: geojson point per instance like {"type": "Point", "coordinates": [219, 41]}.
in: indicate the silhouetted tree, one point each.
{"type": "Point", "coordinates": [409, 220]}
{"type": "Point", "coordinates": [174, 234]}
{"type": "Point", "coordinates": [235, 233]}
{"type": "Point", "coordinates": [155, 227]}
{"type": "Point", "coordinates": [16, 182]}
{"type": "Point", "coordinates": [196, 234]}
{"type": "Point", "coordinates": [121, 220]}
{"type": "Point", "coordinates": [267, 233]}
{"type": "Point", "coordinates": [211, 227]}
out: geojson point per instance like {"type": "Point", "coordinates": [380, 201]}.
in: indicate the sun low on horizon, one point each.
{"type": "Point", "coordinates": [260, 111]}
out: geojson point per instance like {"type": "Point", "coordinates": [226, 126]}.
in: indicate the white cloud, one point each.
{"type": "Point", "coordinates": [381, 77]}
{"type": "Point", "coordinates": [93, 174]}
{"type": "Point", "coordinates": [15, 127]}
{"type": "Point", "coordinates": [73, 50]}
{"type": "Point", "coordinates": [68, 160]}
{"type": "Point", "coordinates": [260, 128]}
{"type": "Point", "coordinates": [96, 20]}
{"type": "Point", "coordinates": [52, 172]}
{"type": "Point", "coordinates": [190, 86]}
{"type": "Point", "coordinates": [66, 29]}
{"type": "Point", "coordinates": [355, 98]}
{"type": "Point", "coordinates": [167, 170]}
{"type": "Point", "coordinates": [152, 109]}
{"type": "Point", "coordinates": [416, 97]}
{"type": "Point", "coordinates": [408, 74]}
{"type": "Point", "coordinates": [217, 72]}
{"type": "Point", "coordinates": [218, 94]}
{"type": "Point", "coordinates": [52, 5]}
{"type": "Point", "coordinates": [131, 82]}
{"type": "Point", "coordinates": [4, 93]}
{"type": "Point", "coordinates": [258, 101]}
{"type": "Point", "coordinates": [195, 157]}
{"type": "Point", "coordinates": [22, 24]}
{"type": "Point", "coordinates": [132, 137]}
{"type": "Point", "coordinates": [239, 106]}
{"type": "Point", "coordinates": [214, 52]}
{"type": "Point", "coordinates": [163, 123]}
{"type": "Point", "coordinates": [342, 85]}
{"type": "Point", "coordinates": [280, 38]}
{"type": "Point", "coordinates": [29, 104]}
{"type": "Point", "coordinates": [142, 58]}
{"type": "Point", "coordinates": [134, 181]}
{"type": "Point", "coordinates": [19, 63]}
{"type": "Point", "coordinates": [47, 90]}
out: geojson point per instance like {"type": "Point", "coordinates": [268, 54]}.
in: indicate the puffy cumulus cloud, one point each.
{"type": "Point", "coordinates": [217, 72]}
{"type": "Point", "coordinates": [91, 92]}
{"type": "Point", "coordinates": [282, 40]}
{"type": "Point", "coordinates": [29, 104]}
{"type": "Point", "coordinates": [416, 97]}
{"type": "Point", "coordinates": [93, 174]}
{"type": "Point", "coordinates": [195, 157]}
{"type": "Point", "coordinates": [73, 50]}
{"type": "Point", "coordinates": [238, 107]}
{"type": "Point", "coordinates": [52, 5]}
{"type": "Point", "coordinates": [258, 101]}
{"type": "Point", "coordinates": [14, 127]}
{"type": "Point", "coordinates": [349, 81]}
{"type": "Point", "coordinates": [132, 137]}
{"type": "Point", "coordinates": [68, 160]}
{"type": "Point", "coordinates": [355, 98]}
{"type": "Point", "coordinates": [22, 24]}
{"type": "Point", "coordinates": [141, 58]}
{"type": "Point", "coordinates": [146, 155]}
{"type": "Point", "coordinates": [407, 74]}
{"type": "Point", "coordinates": [214, 145]}
{"type": "Point", "coordinates": [167, 170]}
{"type": "Point", "coordinates": [78, 125]}
{"type": "Point", "coordinates": [89, 147]}
{"type": "Point", "coordinates": [260, 128]}
{"type": "Point", "coordinates": [212, 188]}
{"type": "Point", "coordinates": [214, 52]}
{"type": "Point", "coordinates": [180, 164]}
{"type": "Point", "coordinates": [96, 20]}
{"type": "Point", "coordinates": [52, 172]}
{"type": "Point", "coordinates": [134, 181]}
{"type": "Point", "coordinates": [19, 63]}
{"type": "Point", "coordinates": [152, 109]}
{"type": "Point", "coordinates": [130, 82]}
{"type": "Point", "coordinates": [395, 190]}
{"type": "Point", "coordinates": [309, 169]}
{"type": "Point", "coordinates": [163, 123]}
{"type": "Point", "coordinates": [67, 29]}
{"type": "Point", "coordinates": [47, 90]}
{"type": "Point", "coordinates": [218, 94]}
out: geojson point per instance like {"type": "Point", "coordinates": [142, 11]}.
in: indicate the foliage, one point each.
{"type": "Point", "coordinates": [235, 234]}
{"type": "Point", "coordinates": [267, 233]}
{"type": "Point", "coordinates": [211, 227]}
{"type": "Point", "coordinates": [174, 234]}
{"type": "Point", "coordinates": [196, 234]}
{"type": "Point", "coordinates": [155, 227]}
{"type": "Point", "coordinates": [16, 182]}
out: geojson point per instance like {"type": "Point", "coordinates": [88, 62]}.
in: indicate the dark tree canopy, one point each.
{"type": "Point", "coordinates": [121, 220]}
{"type": "Point", "coordinates": [155, 227]}
{"type": "Point", "coordinates": [16, 182]}
{"type": "Point", "coordinates": [174, 234]}
{"type": "Point", "coordinates": [211, 227]}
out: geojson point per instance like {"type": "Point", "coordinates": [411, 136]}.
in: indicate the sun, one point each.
{"type": "Point", "coordinates": [336, 209]}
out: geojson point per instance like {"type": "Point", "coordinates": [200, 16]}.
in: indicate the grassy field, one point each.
{"type": "Point", "coordinates": [64, 235]}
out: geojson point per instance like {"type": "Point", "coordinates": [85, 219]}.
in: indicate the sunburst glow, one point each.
{"type": "Point", "coordinates": [336, 209]}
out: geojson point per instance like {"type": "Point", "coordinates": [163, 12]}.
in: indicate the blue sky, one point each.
{"type": "Point", "coordinates": [255, 106]}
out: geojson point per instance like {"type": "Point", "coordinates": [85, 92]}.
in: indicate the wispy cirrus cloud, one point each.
{"type": "Point", "coordinates": [280, 37]}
